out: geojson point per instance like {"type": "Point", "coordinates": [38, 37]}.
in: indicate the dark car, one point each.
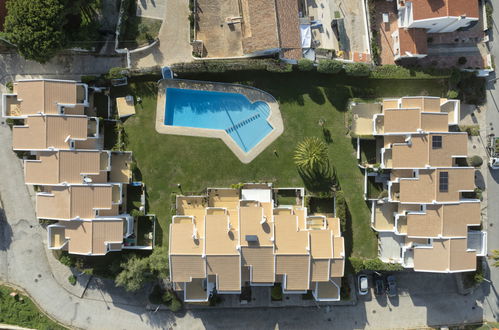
{"type": "Point", "coordinates": [379, 284]}
{"type": "Point", "coordinates": [391, 289]}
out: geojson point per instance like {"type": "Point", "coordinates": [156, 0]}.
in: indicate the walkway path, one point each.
{"type": "Point", "coordinates": [174, 35]}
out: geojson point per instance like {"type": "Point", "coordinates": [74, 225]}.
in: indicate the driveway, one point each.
{"type": "Point", "coordinates": [174, 38]}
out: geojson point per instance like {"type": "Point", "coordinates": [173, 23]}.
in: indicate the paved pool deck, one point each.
{"type": "Point", "coordinates": [253, 95]}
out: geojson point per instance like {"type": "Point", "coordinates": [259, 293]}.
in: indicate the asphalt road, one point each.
{"type": "Point", "coordinates": [491, 290]}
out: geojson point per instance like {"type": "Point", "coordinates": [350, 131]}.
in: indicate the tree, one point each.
{"type": "Point", "coordinates": [35, 27]}
{"type": "Point", "coordinates": [329, 66]}
{"type": "Point", "coordinates": [495, 257]}
{"type": "Point", "coordinates": [311, 155]}
{"type": "Point", "coordinates": [136, 272]}
{"type": "Point", "coordinates": [158, 262]}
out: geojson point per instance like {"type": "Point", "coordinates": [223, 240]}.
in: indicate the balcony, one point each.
{"type": "Point", "coordinates": [394, 190]}
{"type": "Point", "coordinates": [12, 106]}
{"type": "Point", "coordinates": [379, 124]}
{"type": "Point", "coordinates": [386, 156]}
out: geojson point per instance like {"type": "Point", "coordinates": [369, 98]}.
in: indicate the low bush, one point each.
{"type": "Point", "coordinates": [452, 94]}
{"type": "Point", "coordinates": [279, 66]}
{"type": "Point", "coordinates": [490, 19]}
{"type": "Point", "coordinates": [276, 294]}
{"type": "Point", "coordinates": [72, 280]}
{"type": "Point", "coordinates": [462, 60]}
{"type": "Point", "coordinates": [305, 64]}
{"type": "Point", "coordinates": [475, 161]}
{"type": "Point", "coordinates": [472, 130]}
{"type": "Point", "coordinates": [10, 86]}
{"type": "Point", "coordinates": [329, 66]}
{"type": "Point", "coordinates": [357, 69]}
{"type": "Point", "coordinates": [115, 73]}
{"type": "Point", "coordinates": [341, 209]}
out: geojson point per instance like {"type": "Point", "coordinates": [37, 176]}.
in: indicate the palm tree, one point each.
{"type": "Point", "coordinates": [311, 155]}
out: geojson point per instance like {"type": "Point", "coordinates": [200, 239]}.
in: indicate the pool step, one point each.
{"type": "Point", "coordinates": [242, 123]}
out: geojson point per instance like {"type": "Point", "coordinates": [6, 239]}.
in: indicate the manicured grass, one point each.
{"type": "Point", "coordinates": [304, 98]}
{"type": "Point", "coordinates": [21, 311]}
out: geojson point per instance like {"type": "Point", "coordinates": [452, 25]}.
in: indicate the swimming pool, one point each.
{"type": "Point", "coordinates": [245, 122]}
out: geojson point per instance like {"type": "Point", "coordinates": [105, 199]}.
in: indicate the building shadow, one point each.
{"type": "Point", "coordinates": [5, 232]}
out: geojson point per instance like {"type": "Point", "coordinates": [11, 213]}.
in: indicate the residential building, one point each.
{"type": "Point", "coordinates": [80, 185]}
{"type": "Point", "coordinates": [417, 18]}
{"type": "Point", "coordinates": [430, 217]}
{"type": "Point", "coordinates": [88, 237]}
{"type": "Point", "coordinates": [45, 96]}
{"type": "Point", "coordinates": [230, 238]}
{"type": "Point", "coordinates": [55, 132]}
{"type": "Point", "coordinates": [251, 28]}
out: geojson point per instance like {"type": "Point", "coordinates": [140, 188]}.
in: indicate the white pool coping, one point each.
{"type": "Point", "coordinates": [251, 93]}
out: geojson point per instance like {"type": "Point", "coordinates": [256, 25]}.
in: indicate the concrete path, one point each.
{"type": "Point", "coordinates": [13, 65]}
{"type": "Point", "coordinates": [174, 35]}
{"type": "Point", "coordinates": [491, 311]}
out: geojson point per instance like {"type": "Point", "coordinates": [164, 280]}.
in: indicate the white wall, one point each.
{"type": "Point", "coordinates": [441, 24]}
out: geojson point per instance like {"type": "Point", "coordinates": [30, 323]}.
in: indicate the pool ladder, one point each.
{"type": "Point", "coordinates": [242, 123]}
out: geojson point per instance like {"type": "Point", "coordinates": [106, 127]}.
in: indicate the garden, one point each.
{"type": "Point", "coordinates": [313, 105]}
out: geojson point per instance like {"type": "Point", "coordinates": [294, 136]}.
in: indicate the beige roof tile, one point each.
{"type": "Point", "coordinates": [90, 237]}
{"type": "Point", "coordinates": [446, 255]}
{"type": "Point", "coordinates": [43, 96]}
{"type": "Point", "coordinates": [184, 267]}
{"type": "Point", "coordinates": [250, 224]}
{"type": "Point", "coordinates": [296, 268]}
{"type": "Point", "coordinates": [72, 202]}
{"type": "Point", "coordinates": [320, 270]}
{"type": "Point", "coordinates": [53, 168]}
{"type": "Point", "coordinates": [261, 262]}
{"type": "Point", "coordinates": [220, 240]}
{"type": "Point", "coordinates": [228, 271]}
{"type": "Point", "coordinates": [288, 239]}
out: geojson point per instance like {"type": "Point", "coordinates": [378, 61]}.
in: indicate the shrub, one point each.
{"type": "Point", "coordinates": [66, 260]}
{"type": "Point", "coordinates": [305, 64]}
{"type": "Point", "coordinates": [115, 73]}
{"type": "Point", "coordinates": [341, 209]}
{"type": "Point", "coordinates": [452, 94]}
{"type": "Point", "coordinates": [10, 86]}
{"type": "Point", "coordinates": [358, 69]}
{"type": "Point", "coordinates": [462, 60]}
{"type": "Point", "coordinates": [89, 79]}
{"type": "Point", "coordinates": [175, 305]}
{"type": "Point", "coordinates": [383, 194]}
{"type": "Point", "coordinates": [475, 161]}
{"type": "Point", "coordinates": [276, 293]}
{"type": "Point", "coordinates": [329, 66]}
{"type": "Point", "coordinates": [72, 280]}
{"type": "Point", "coordinates": [392, 71]}
{"type": "Point", "coordinates": [472, 130]}
{"type": "Point", "coordinates": [488, 11]}
{"type": "Point", "coordinates": [279, 66]}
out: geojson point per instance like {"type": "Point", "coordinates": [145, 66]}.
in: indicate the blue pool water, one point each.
{"type": "Point", "coordinates": [244, 121]}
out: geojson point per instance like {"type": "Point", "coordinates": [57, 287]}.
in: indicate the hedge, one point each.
{"type": "Point", "coordinates": [359, 265]}
{"type": "Point", "coordinates": [305, 64]}
{"type": "Point", "coordinates": [329, 66]}
{"type": "Point", "coordinates": [357, 69]}
{"type": "Point", "coordinates": [232, 65]}
{"type": "Point", "coordinates": [391, 71]}
{"type": "Point", "coordinates": [475, 161]}
{"type": "Point", "coordinates": [472, 130]}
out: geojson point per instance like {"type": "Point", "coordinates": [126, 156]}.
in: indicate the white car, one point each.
{"type": "Point", "coordinates": [363, 285]}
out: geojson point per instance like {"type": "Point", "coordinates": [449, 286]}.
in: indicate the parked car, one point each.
{"type": "Point", "coordinates": [379, 284]}
{"type": "Point", "coordinates": [363, 285]}
{"type": "Point", "coordinates": [391, 289]}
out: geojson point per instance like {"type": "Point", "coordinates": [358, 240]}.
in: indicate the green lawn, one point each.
{"type": "Point", "coordinates": [305, 98]}
{"type": "Point", "coordinates": [140, 31]}
{"type": "Point", "coordinates": [21, 311]}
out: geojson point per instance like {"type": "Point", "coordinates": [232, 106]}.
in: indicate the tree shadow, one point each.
{"type": "Point", "coordinates": [5, 232]}
{"type": "Point", "coordinates": [318, 180]}
{"type": "Point", "coordinates": [316, 95]}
